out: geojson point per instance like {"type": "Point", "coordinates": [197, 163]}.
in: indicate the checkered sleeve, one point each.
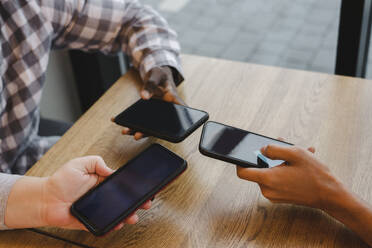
{"type": "Point", "coordinates": [25, 37]}
{"type": "Point", "coordinates": [111, 26]}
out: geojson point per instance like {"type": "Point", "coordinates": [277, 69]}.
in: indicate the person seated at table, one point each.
{"type": "Point", "coordinates": [29, 30]}
{"type": "Point", "coordinates": [305, 180]}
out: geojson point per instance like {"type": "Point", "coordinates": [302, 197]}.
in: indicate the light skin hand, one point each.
{"type": "Point", "coordinates": [304, 180]}
{"type": "Point", "coordinates": [36, 202]}
{"type": "Point", "coordinates": [159, 83]}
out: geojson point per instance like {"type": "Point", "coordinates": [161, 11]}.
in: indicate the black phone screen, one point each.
{"type": "Point", "coordinates": [162, 119]}
{"type": "Point", "coordinates": [129, 187]}
{"type": "Point", "coordinates": [236, 144]}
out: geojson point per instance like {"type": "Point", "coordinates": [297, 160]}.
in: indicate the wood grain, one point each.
{"type": "Point", "coordinates": [28, 239]}
{"type": "Point", "coordinates": [209, 206]}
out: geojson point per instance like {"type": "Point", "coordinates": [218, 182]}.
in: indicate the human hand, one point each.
{"type": "Point", "coordinates": [303, 180]}
{"type": "Point", "coordinates": [68, 184]}
{"type": "Point", "coordinates": [159, 83]}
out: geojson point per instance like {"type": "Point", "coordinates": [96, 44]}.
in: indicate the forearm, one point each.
{"type": "Point", "coordinates": [25, 204]}
{"type": "Point", "coordinates": [353, 212]}
{"type": "Point", "coordinates": [151, 42]}
{"type": "Point", "coordinates": [112, 26]}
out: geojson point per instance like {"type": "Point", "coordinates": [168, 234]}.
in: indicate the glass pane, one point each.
{"type": "Point", "coordinates": [298, 34]}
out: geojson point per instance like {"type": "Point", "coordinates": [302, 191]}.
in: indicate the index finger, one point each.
{"type": "Point", "coordinates": [277, 152]}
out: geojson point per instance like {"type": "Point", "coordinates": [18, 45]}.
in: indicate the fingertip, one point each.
{"type": "Point", "coordinates": [112, 119]}
{"type": "Point", "coordinates": [133, 219]}
{"type": "Point", "coordinates": [119, 226]}
{"type": "Point", "coordinates": [138, 136]}
{"type": "Point", "coordinates": [145, 95]}
{"type": "Point", "coordinates": [147, 205]}
{"type": "Point", "coordinates": [125, 130]}
{"type": "Point", "coordinates": [263, 150]}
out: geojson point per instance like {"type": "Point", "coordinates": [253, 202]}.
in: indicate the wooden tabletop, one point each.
{"type": "Point", "coordinates": [30, 239]}
{"type": "Point", "coordinates": [208, 206]}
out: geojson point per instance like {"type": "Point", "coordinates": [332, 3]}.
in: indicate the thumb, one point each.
{"type": "Point", "coordinates": [171, 95]}
{"type": "Point", "coordinates": [95, 165]}
{"type": "Point", "coordinates": [277, 152]}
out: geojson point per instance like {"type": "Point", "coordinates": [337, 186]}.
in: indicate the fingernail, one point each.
{"type": "Point", "coordinates": [263, 150]}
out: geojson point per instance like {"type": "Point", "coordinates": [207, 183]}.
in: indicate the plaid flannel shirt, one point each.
{"type": "Point", "coordinates": [31, 28]}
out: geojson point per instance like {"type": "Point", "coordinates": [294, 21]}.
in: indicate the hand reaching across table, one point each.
{"type": "Point", "coordinates": [305, 180]}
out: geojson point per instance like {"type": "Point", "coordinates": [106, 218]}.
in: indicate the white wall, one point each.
{"type": "Point", "coordinates": [60, 99]}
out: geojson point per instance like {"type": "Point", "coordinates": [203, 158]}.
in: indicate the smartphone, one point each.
{"type": "Point", "coordinates": [164, 120]}
{"type": "Point", "coordinates": [123, 192]}
{"type": "Point", "coordinates": [236, 146]}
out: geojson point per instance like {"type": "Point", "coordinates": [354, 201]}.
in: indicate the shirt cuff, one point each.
{"type": "Point", "coordinates": [6, 181]}
{"type": "Point", "coordinates": [162, 58]}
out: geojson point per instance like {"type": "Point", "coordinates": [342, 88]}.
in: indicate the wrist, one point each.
{"type": "Point", "coordinates": [338, 201]}
{"type": "Point", "coordinates": [333, 194]}
{"type": "Point", "coordinates": [158, 74]}
{"type": "Point", "coordinates": [25, 205]}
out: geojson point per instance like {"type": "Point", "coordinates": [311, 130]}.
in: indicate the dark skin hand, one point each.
{"type": "Point", "coordinates": [305, 180]}
{"type": "Point", "coordinates": [158, 83]}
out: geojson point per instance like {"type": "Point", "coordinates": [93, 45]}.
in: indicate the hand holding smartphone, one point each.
{"type": "Point", "coordinates": [236, 146]}
{"type": "Point", "coordinates": [122, 193]}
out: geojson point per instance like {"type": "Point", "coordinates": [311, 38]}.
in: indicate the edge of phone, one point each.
{"type": "Point", "coordinates": [205, 152]}
{"type": "Point", "coordinates": [91, 229]}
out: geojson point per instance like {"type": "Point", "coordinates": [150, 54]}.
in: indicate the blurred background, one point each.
{"type": "Point", "coordinates": [297, 34]}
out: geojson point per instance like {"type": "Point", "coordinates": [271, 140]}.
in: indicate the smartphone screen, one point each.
{"type": "Point", "coordinates": [236, 145]}
{"type": "Point", "coordinates": [128, 188]}
{"type": "Point", "coordinates": [162, 119]}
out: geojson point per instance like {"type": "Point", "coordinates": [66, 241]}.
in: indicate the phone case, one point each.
{"type": "Point", "coordinates": [149, 196]}
{"type": "Point", "coordinates": [231, 160]}
{"type": "Point", "coordinates": [173, 139]}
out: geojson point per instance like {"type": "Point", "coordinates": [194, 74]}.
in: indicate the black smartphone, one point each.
{"type": "Point", "coordinates": [165, 120]}
{"type": "Point", "coordinates": [236, 146]}
{"type": "Point", "coordinates": [123, 192]}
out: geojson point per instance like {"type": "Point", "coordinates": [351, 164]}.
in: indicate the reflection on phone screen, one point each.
{"type": "Point", "coordinates": [160, 117]}
{"type": "Point", "coordinates": [236, 143]}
